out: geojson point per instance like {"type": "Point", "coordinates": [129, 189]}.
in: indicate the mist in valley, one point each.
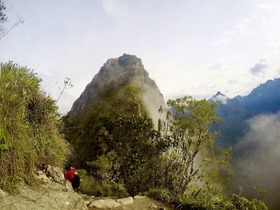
{"type": "Point", "coordinates": [257, 160]}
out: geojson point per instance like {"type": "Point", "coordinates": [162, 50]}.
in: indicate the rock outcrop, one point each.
{"type": "Point", "coordinates": [56, 193]}
{"type": "Point", "coordinates": [129, 203]}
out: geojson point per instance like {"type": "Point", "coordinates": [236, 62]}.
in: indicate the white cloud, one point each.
{"type": "Point", "coordinates": [258, 158]}
{"type": "Point", "coordinates": [243, 28]}
{"type": "Point", "coordinates": [108, 6]}
{"type": "Point", "coordinates": [265, 6]}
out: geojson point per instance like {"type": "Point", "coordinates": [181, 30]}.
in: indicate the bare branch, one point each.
{"type": "Point", "coordinates": [67, 85]}
{"type": "Point", "coordinates": [4, 33]}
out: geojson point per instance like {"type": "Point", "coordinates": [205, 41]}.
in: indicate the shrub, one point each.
{"type": "Point", "coordinates": [88, 184]}
{"type": "Point", "coordinates": [29, 137]}
{"type": "Point", "coordinates": [91, 186]}
{"type": "Point", "coordinates": [160, 194]}
{"type": "Point", "coordinates": [119, 190]}
{"type": "Point", "coordinates": [197, 199]}
{"type": "Point", "coordinates": [100, 168]}
{"type": "Point", "coordinates": [254, 204]}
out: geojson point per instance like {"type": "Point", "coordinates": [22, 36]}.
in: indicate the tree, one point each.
{"type": "Point", "coordinates": [186, 132]}
{"type": "Point", "coordinates": [133, 141]}
{"type": "Point", "coordinates": [3, 17]}
{"type": "Point", "coordinates": [128, 153]}
{"type": "Point", "coordinates": [3, 20]}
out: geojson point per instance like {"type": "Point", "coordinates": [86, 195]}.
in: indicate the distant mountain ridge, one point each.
{"type": "Point", "coordinates": [263, 99]}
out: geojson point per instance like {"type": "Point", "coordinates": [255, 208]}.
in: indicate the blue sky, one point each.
{"type": "Point", "coordinates": [189, 47]}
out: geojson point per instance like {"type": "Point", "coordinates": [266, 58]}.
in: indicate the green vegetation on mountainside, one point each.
{"type": "Point", "coordinates": [29, 136]}
{"type": "Point", "coordinates": [88, 133]}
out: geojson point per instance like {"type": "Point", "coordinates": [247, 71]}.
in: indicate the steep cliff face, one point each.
{"type": "Point", "coordinates": [122, 87]}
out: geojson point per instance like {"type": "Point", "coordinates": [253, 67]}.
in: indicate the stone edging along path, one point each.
{"type": "Point", "coordinates": [129, 203]}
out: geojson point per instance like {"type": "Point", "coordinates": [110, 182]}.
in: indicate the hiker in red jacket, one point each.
{"type": "Point", "coordinates": [69, 174]}
{"type": "Point", "coordinates": [76, 182]}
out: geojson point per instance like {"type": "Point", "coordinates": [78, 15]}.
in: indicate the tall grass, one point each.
{"type": "Point", "coordinates": [29, 137]}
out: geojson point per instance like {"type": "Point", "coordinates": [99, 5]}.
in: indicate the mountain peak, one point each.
{"type": "Point", "coordinates": [116, 68]}
{"type": "Point", "coordinates": [219, 98]}
{"type": "Point", "coordinates": [218, 94]}
{"type": "Point", "coordinates": [119, 76]}
{"type": "Point", "coordinates": [124, 61]}
{"type": "Point", "coordinates": [127, 59]}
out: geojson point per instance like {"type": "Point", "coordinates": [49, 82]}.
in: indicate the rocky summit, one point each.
{"type": "Point", "coordinates": [120, 76]}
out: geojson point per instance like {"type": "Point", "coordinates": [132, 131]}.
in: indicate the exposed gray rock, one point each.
{"type": "Point", "coordinates": [140, 197]}
{"type": "Point", "coordinates": [87, 203]}
{"type": "Point", "coordinates": [55, 173]}
{"type": "Point", "coordinates": [2, 193]}
{"type": "Point", "coordinates": [57, 195]}
{"type": "Point", "coordinates": [105, 203]}
{"type": "Point", "coordinates": [125, 201]}
{"type": "Point", "coordinates": [129, 203]}
{"type": "Point", "coordinates": [153, 206]}
{"type": "Point", "coordinates": [42, 176]}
